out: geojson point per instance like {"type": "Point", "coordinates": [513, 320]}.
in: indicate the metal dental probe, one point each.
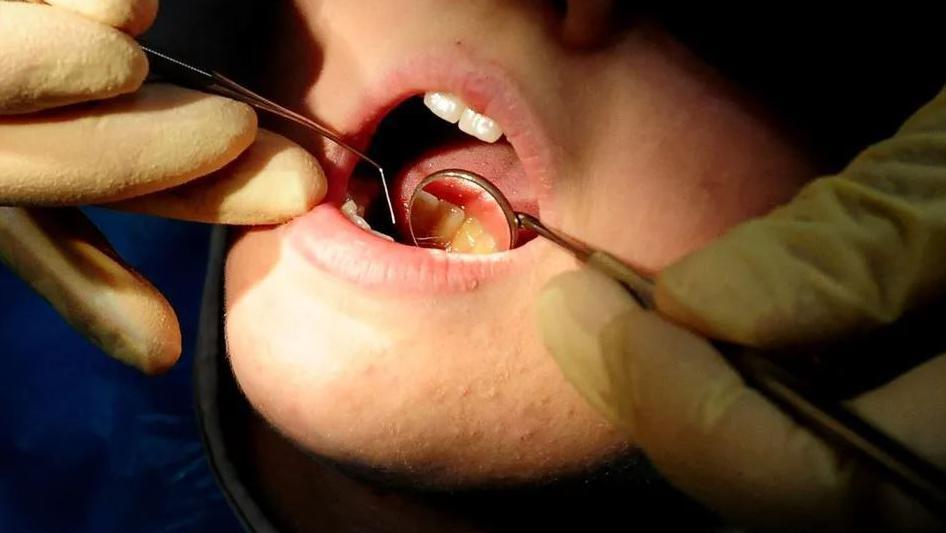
{"type": "Point", "coordinates": [212, 82]}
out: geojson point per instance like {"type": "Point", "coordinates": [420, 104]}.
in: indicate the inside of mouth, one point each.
{"type": "Point", "coordinates": [458, 216]}
{"type": "Point", "coordinates": [411, 143]}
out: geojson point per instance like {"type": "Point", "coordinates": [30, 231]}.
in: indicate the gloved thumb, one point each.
{"type": "Point", "coordinates": [691, 413]}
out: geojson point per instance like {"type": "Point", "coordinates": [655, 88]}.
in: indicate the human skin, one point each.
{"type": "Point", "coordinates": [643, 151]}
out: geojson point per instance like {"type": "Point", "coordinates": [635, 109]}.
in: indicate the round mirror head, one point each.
{"type": "Point", "coordinates": [461, 212]}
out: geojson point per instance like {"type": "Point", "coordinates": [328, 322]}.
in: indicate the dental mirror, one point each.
{"type": "Point", "coordinates": [462, 212]}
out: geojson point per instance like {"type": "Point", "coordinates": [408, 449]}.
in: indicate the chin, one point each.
{"type": "Point", "coordinates": [454, 389]}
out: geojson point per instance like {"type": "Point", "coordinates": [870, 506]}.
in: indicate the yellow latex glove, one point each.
{"type": "Point", "coordinates": [851, 251]}
{"type": "Point", "coordinates": [78, 127]}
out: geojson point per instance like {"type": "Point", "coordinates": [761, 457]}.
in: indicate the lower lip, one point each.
{"type": "Point", "coordinates": [331, 243]}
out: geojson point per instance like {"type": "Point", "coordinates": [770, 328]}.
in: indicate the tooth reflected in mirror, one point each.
{"type": "Point", "coordinates": [459, 217]}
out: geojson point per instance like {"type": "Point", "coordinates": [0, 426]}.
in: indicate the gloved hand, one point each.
{"type": "Point", "coordinates": [851, 251]}
{"type": "Point", "coordinates": [78, 127]}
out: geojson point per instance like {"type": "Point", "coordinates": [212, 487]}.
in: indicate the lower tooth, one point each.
{"type": "Point", "coordinates": [444, 225]}
{"type": "Point", "coordinates": [351, 210]}
{"type": "Point", "coordinates": [382, 235]}
{"type": "Point", "coordinates": [472, 238]}
{"type": "Point", "coordinates": [450, 219]}
{"type": "Point", "coordinates": [361, 223]}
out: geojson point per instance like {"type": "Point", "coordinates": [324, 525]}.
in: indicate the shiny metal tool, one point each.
{"type": "Point", "coordinates": [813, 405]}
{"type": "Point", "coordinates": [185, 74]}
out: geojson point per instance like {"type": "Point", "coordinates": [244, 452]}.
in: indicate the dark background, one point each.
{"type": "Point", "coordinates": [87, 444]}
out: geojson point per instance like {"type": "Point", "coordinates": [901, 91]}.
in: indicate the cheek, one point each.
{"type": "Point", "coordinates": [651, 212]}
{"type": "Point", "coordinates": [455, 389]}
{"type": "Point", "coordinates": [663, 157]}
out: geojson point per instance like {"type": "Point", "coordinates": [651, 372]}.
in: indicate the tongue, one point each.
{"type": "Point", "coordinates": [496, 162]}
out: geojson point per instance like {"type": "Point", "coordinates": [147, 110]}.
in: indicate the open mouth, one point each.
{"type": "Point", "coordinates": [477, 126]}
{"type": "Point", "coordinates": [427, 134]}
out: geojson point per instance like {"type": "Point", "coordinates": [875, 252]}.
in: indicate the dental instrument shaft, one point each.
{"type": "Point", "coordinates": [219, 84]}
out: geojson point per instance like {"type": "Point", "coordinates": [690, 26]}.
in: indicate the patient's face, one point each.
{"type": "Point", "coordinates": [427, 363]}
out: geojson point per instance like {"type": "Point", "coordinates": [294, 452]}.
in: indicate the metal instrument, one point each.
{"type": "Point", "coordinates": [182, 73]}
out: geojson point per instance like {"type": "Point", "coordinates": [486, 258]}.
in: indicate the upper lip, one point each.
{"type": "Point", "coordinates": [482, 84]}
{"type": "Point", "coordinates": [351, 254]}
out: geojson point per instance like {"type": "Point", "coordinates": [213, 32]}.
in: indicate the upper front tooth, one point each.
{"type": "Point", "coordinates": [452, 109]}
{"type": "Point", "coordinates": [480, 126]}
{"type": "Point", "coordinates": [445, 106]}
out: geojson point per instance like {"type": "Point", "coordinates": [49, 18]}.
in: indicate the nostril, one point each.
{"type": "Point", "coordinates": [588, 23]}
{"type": "Point", "coordinates": [560, 6]}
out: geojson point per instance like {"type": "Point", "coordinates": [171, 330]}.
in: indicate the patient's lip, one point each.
{"type": "Point", "coordinates": [330, 242]}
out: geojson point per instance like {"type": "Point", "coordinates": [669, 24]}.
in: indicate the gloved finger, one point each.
{"type": "Point", "coordinates": [690, 412]}
{"type": "Point", "coordinates": [271, 182]}
{"type": "Point", "coordinates": [52, 58]}
{"type": "Point", "coordinates": [154, 139]}
{"type": "Point", "coordinates": [912, 408]}
{"type": "Point", "coordinates": [851, 251]}
{"type": "Point", "coordinates": [68, 262]}
{"type": "Point", "coordinates": [704, 428]}
{"type": "Point", "coordinates": [130, 16]}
